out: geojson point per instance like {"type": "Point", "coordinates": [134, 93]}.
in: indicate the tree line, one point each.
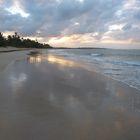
{"type": "Point", "coordinates": [19, 42]}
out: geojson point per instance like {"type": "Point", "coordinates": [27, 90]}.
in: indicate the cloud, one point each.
{"type": "Point", "coordinates": [128, 17]}
{"type": "Point", "coordinates": [117, 19]}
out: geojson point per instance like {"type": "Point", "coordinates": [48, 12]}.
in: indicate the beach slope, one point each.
{"type": "Point", "coordinates": [43, 96]}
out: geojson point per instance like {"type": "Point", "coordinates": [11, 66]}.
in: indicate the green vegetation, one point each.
{"type": "Point", "coordinates": [16, 41]}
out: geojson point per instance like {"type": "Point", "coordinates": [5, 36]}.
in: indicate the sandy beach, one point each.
{"type": "Point", "coordinates": [45, 97]}
{"type": "Point", "coordinates": [8, 55]}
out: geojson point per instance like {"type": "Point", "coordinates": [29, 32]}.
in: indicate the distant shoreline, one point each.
{"type": "Point", "coordinates": [78, 48]}
{"type": "Point", "coordinates": [96, 48]}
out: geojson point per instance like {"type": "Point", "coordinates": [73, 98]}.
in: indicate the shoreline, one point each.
{"type": "Point", "coordinates": [84, 65]}
{"type": "Point", "coordinates": [91, 68]}
{"type": "Point", "coordinates": [131, 86]}
{"type": "Point", "coordinates": [81, 64]}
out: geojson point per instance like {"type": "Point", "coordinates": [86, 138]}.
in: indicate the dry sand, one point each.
{"type": "Point", "coordinates": [50, 98]}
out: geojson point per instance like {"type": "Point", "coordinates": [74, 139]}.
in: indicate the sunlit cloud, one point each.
{"type": "Point", "coordinates": [73, 39]}
{"type": "Point", "coordinates": [14, 10]}
{"type": "Point", "coordinates": [116, 27]}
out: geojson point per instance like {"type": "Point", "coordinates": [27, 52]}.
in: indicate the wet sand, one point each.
{"type": "Point", "coordinates": [11, 54]}
{"type": "Point", "coordinates": [44, 97]}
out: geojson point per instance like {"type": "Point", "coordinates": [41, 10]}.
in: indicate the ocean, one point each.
{"type": "Point", "coordinates": [121, 65]}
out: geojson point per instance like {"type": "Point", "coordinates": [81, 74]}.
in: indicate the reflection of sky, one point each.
{"type": "Point", "coordinates": [37, 59]}
{"type": "Point", "coordinates": [17, 80]}
{"type": "Point", "coordinates": [73, 107]}
{"type": "Point", "coordinates": [63, 62]}
{"type": "Point", "coordinates": [51, 59]}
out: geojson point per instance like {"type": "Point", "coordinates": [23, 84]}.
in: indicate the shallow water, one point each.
{"type": "Point", "coordinates": [122, 65]}
{"type": "Point", "coordinates": [47, 97]}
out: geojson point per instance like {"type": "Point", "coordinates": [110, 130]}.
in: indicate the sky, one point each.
{"type": "Point", "coordinates": [74, 23]}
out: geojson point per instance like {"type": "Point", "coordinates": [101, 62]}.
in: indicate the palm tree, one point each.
{"type": "Point", "coordinates": [2, 40]}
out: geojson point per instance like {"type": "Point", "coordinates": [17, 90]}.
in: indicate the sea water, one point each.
{"type": "Point", "coordinates": [122, 65]}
